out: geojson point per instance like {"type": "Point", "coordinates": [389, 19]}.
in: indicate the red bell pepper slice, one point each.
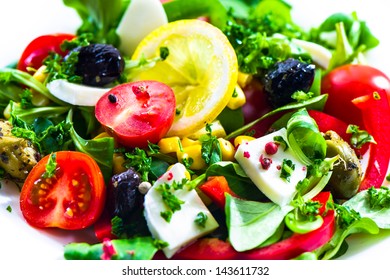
{"type": "Point", "coordinates": [376, 111]}
{"type": "Point", "coordinates": [215, 188]}
{"type": "Point", "coordinates": [215, 249]}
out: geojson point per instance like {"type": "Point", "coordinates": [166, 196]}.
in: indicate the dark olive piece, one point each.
{"type": "Point", "coordinates": [285, 78]}
{"type": "Point", "coordinates": [99, 64]}
{"type": "Point", "coordinates": [347, 173]}
{"type": "Point", "coordinates": [125, 192]}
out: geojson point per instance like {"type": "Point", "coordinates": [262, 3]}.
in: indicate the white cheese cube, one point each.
{"type": "Point", "coordinates": [269, 180]}
{"type": "Point", "coordinates": [181, 229]}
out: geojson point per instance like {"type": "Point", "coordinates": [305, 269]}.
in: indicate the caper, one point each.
{"type": "Point", "coordinates": [347, 173]}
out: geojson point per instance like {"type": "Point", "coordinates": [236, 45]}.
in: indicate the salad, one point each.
{"type": "Point", "coordinates": [169, 164]}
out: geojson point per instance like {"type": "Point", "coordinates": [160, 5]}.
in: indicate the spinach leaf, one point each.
{"type": "Point", "coordinates": [252, 223]}
{"type": "Point", "coordinates": [138, 248]}
{"type": "Point", "coordinates": [238, 181]}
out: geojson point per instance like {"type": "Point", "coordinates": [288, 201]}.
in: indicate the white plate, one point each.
{"type": "Point", "coordinates": [23, 20]}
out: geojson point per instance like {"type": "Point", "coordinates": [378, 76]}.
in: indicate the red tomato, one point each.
{"type": "Point", "coordinates": [39, 48]}
{"type": "Point", "coordinates": [72, 199]}
{"type": "Point", "coordinates": [348, 82]}
{"type": "Point", "coordinates": [138, 112]}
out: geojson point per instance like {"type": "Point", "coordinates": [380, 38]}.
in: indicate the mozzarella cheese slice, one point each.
{"type": "Point", "coordinates": [139, 19]}
{"type": "Point", "coordinates": [181, 229]}
{"type": "Point", "coordinates": [269, 180]}
{"type": "Point", "coordinates": [75, 94]}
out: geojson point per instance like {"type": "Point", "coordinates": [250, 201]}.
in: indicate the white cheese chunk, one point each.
{"type": "Point", "coordinates": [269, 181]}
{"type": "Point", "coordinates": [181, 229]}
{"type": "Point", "coordinates": [76, 94]}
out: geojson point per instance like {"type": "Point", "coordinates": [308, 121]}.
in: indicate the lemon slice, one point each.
{"type": "Point", "coordinates": [201, 68]}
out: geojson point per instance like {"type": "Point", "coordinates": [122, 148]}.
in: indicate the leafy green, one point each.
{"type": "Point", "coordinates": [100, 149]}
{"type": "Point", "coordinates": [51, 166]}
{"type": "Point", "coordinates": [251, 223]}
{"type": "Point", "coordinates": [359, 137]}
{"type": "Point", "coordinates": [99, 17]}
{"type": "Point", "coordinates": [137, 248]}
{"type": "Point", "coordinates": [184, 9]}
{"type": "Point", "coordinates": [211, 149]}
{"type": "Point", "coordinates": [374, 204]}
{"type": "Point", "coordinates": [305, 138]}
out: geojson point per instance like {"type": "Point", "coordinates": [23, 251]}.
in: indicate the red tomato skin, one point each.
{"type": "Point", "coordinates": [347, 82]}
{"type": "Point", "coordinates": [45, 204]}
{"type": "Point", "coordinates": [134, 120]}
{"type": "Point", "coordinates": [39, 48]}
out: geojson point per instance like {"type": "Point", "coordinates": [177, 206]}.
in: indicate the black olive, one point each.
{"type": "Point", "coordinates": [285, 78]}
{"type": "Point", "coordinates": [125, 193]}
{"type": "Point", "coordinates": [99, 64]}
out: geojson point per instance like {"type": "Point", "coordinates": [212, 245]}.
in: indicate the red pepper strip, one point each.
{"type": "Point", "coordinates": [215, 188]}
{"type": "Point", "coordinates": [103, 227]}
{"type": "Point", "coordinates": [215, 249]}
{"type": "Point", "coordinates": [376, 111]}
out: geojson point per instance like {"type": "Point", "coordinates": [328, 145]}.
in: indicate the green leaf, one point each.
{"type": "Point", "coordinates": [251, 223]}
{"type": "Point", "coordinates": [138, 248]}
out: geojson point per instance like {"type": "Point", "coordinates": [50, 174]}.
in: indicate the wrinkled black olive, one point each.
{"type": "Point", "coordinates": [99, 64]}
{"type": "Point", "coordinates": [285, 78]}
{"type": "Point", "coordinates": [125, 193]}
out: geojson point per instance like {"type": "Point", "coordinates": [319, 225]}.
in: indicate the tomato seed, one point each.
{"type": "Point", "coordinates": [112, 98]}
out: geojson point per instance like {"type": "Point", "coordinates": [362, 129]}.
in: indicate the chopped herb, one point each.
{"type": "Point", "coordinates": [287, 169]}
{"type": "Point", "coordinates": [201, 219]}
{"type": "Point", "coordinates": [379, 197]}
{"type": "Point", "coordinates": [164, 52]}
{"type": "Point", "coordinates": [301, 96]}
{"type": "Point", "coordinates": [9, 208]}
{"type": "Point", "coordinates": [235, 93]}
{"type": "Point", "coordinates": [58, 68]}
{"type": "Point", "coordinates": [166, 215]}
{"type": "Point", "coordinates": [345, 215]}
{"type": "Point", "coordinates": [169, 199]}
{"type": "Point", "coordinates": [359, 137]}
{"type": "Point", "coordinates": [211, 149]}
{"type": "Point", "coordinates": [51, 166]}
{"type": "Point", "coordinates": [160, 244]}
{"type": "Point", "coordinates": [140, 161]}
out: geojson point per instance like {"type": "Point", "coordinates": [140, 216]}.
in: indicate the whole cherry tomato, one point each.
{"type": "Point", "coordinates": [39, 48]}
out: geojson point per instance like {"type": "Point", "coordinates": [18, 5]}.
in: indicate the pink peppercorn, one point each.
{"type": "Point", "coordinates": [265, 162]}
{"type": "Point", "coordinates": [247, 154]}
{"type": "Point", "coordinates": [271, 148]}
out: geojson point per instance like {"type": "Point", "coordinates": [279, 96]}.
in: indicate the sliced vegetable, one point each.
{"type": "Point", "coordinates": [73, 198]}
{"type": "Point", "coordinates": [137, 113]}
{"type": "Point", "coordinates": [216, 188]}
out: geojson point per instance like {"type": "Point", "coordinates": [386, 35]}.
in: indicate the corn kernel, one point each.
{"type": "Point", "coordinates": [227, 149]}
{"type": "Point", "coordinates": [242, 139]}
{"type": "Point", "coordinates": [192, 152]}
{"type": "Point", "coordinates": [238, 99]}
{"type": "Point", "coordinates": [244, 79]}
{"type": "Point", "coordinates": [185, 142]}
{"type": "Point", "coordinates": [40, 74]}
{"type": "Point", "coordinates": [118, 163]}
{"type": "Point", "coordinates": [169, 145]}
{"type": "Point", "coordinates": [216, 130]}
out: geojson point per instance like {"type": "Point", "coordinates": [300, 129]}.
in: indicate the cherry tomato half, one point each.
{"type": "Point", "coordinates": [348, 82]}
{"type": "Point", "coordinates": [39, 48]}
{"type": "Point", "coordinates": [71, 199]}
{"type": "Point", "coordinates": [138, 112]}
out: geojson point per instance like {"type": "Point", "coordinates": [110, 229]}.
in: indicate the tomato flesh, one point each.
{"type": "Point", "coordinates": [71, 199]}
{"type": "Point", "coordinates": [39, 48]}
{"type": "Point", "coordinates": [137, 113]}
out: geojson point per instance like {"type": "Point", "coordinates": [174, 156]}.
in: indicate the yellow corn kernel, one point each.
{"type": "Point", "coordinates": [185, 142]}
{"type": "Point", "coordinates": [242, 139]}
{"type": "Point", "coordinates": [227, 149]}
{"type": "Point", "coordinates": [238, 98]}
{"type": "Point", "coordinates": [244, 79]}
{"type": "Point", "coordinates": [192, 152]}
{"type": "Point", "coordinates": [216, 130]}
{"type": "Point", "coordinates": [118, 163]}
{"type": "Point", "coordinates": [186, 173]}
{"type": "Point", "coordinates": [40, 74]}
{"type": "Point", "coordinates": [169, 145]}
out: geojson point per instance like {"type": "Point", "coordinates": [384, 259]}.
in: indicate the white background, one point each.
{"type": "Point", "coordinates": [23, 20]}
